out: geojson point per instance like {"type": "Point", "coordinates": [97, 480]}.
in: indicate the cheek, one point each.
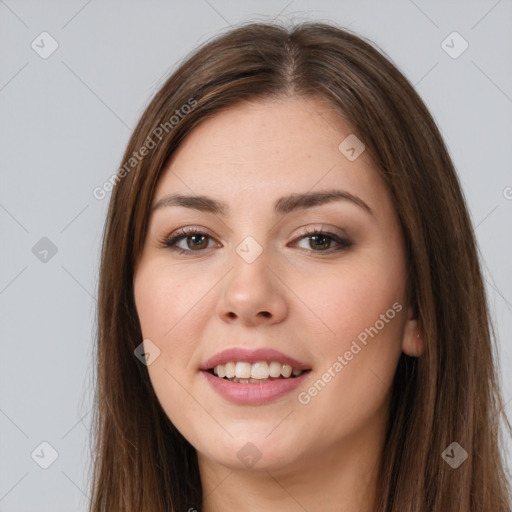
{"type": "Point", "coordinates": [162, 307]}
{"type": "Point", "coordinates": [162, 301]}
{"type": "Point", "coordinates": [358, 362]}
{"type": "Point", "coordinates": [363, 311]}
{"type": "Point", "coordinates": [350, 299]}
{"type": "Point", "coordinates": [173, 307]}
{"type": "Point", "coordinates": [164, 298]}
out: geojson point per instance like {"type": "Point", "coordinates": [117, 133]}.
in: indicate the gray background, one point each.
{"type": "Point", "coordinates": [64, 124]}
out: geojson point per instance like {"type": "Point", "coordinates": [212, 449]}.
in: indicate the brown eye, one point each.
{"type": "Point", "coordinates": [321, 241]}
{"type": "Point", "coordinates": [194, 241]}
{"type": "Point", "coordinates": [197, 241]}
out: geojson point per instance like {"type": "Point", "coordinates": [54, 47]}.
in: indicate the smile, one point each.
{"type": "Point", "coordinates": [253, 377]}
{"type": "Point", "coordinates": [255, 373]}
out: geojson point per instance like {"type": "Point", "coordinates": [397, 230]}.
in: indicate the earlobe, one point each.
{"type": "Point", "coordinates": [412, 341]}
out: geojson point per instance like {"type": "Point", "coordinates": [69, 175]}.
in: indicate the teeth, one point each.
{"type": "Point", "coordinates": [230, 370]}
{"type": "Point", "coordinates": [275, 369]}
{"type": "Point", "coordinates": [286, 370]}
{"type": "Point", "coordinates": [260, 370]}
{"type": "Point", "coordinates": [244, 372]}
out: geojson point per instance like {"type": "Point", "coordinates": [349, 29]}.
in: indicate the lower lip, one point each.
{"type": "Point", "coordinates": [253, 394]}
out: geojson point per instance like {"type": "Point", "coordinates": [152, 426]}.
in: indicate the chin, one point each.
{"type": "Point", "coordinates": [249, 456]}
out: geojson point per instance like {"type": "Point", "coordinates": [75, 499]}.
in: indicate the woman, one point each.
{"type": "Point", "coordinates": [291, 312]}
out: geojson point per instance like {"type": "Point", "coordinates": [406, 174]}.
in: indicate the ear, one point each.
{"type": "Point", "coordinates": [412, 340]}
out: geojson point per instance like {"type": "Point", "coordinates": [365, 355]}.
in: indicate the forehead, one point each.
{"type": "Point", "coordinates": [264, 149]}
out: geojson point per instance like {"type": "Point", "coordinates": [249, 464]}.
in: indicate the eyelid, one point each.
{"type": "Point", "coordinates": [183, 233]}
{"type": "Point", "coordinates": [308, 229]}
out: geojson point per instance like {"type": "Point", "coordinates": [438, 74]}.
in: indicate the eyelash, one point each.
{"type": "Point", "coordinates": [170, 242]}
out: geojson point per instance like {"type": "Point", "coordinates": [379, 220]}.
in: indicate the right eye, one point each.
{"type": "Point", "coordinates": [194, 241]}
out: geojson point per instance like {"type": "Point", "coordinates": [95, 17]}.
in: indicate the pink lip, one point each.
{"type": "Point", "coordinates": [252, 356]}
{"type": "Point", "coordinates": [253, 394]}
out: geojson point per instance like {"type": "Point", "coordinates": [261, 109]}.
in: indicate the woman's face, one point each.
{"type": "Point", "coordinates": [258, 283]}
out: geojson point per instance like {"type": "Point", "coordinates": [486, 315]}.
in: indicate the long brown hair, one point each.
{"type": "Point", "coordinates": [449, 394]}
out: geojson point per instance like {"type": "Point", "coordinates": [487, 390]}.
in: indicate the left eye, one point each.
{"type": "Point", "coordinates": [323, 240]}
{"type": "Point", "coordinates": [196, 241]}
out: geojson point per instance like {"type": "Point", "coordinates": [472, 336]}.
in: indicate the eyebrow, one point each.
{"type": "Point", "coordinates": [283, 205]}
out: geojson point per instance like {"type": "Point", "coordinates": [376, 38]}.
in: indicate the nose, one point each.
{"type": "Point", "coordinates": [252, 294]}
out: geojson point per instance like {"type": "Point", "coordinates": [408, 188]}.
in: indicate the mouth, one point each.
{"type": "Point", "coordinates": [254, 377]}
{"type": "Point", "coordinates": [243, 372]}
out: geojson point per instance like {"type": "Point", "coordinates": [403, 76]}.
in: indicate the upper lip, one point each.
{"type": "Point", "coordinates": [252, 356]}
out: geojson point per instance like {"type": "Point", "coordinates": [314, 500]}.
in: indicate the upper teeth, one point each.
{"type": "Point", "coordinates": [259, 370]}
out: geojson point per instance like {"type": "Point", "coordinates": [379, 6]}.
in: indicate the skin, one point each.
{"type": "Point", "coordinates": [322, 455]}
